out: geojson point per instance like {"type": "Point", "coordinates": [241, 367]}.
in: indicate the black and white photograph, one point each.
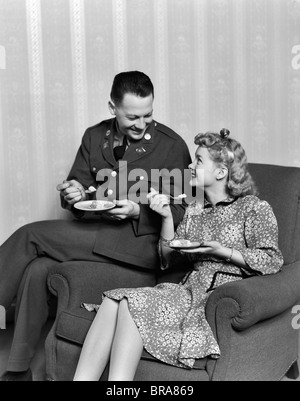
{"type": "Point", "coordinates": [150, 193]}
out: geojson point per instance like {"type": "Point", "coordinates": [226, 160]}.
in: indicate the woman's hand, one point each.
{"type": "Point", "coordinates": [160, 204]}
{"type": "Point", "coordinates": [216, 249]}
{"type": "Point", "coordinates": [207, 248]}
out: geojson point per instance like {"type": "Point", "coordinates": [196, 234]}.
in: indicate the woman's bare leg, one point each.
{"type": "Point", "coordinates": [97, 346]}
{"type": "Point", "coordinates": [127, 347]}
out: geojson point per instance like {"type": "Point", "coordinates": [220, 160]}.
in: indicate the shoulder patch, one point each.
{"type": "Point", "coordinates": [100, 128]}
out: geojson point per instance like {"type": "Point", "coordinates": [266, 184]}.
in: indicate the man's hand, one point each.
{"type": "Point", "coordinates": [72, 191]}
{"type": "Point", "coordinates": [125, 209]}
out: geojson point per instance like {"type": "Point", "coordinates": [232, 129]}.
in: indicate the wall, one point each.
{"type": "Point", "coordinates": [214, 63]}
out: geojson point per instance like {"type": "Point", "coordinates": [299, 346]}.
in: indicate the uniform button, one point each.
{"type": "Point", "coordinates": [142, 178]}
{"type": "Point", "coordinates": [110, 192]}
{"type": "Point", "coordinates": [94, 169]}
{"type": "Point", "coordinates": [114, 174]}
{"type": "Point", "coordinates": [147, 137]}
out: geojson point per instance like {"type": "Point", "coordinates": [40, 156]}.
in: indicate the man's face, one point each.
{"type": "Point", "coordinates": [134, 115]}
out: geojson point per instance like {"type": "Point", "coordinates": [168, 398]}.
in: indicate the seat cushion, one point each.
{"type": "Point", "coordinates": [73, 327]}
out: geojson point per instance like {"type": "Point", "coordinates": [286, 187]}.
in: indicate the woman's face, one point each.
{"type": "Point", "coordinates": [203, 169]}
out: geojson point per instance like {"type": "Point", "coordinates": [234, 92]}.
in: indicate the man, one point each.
{"type": "Point", "coordinates": [118, 156]}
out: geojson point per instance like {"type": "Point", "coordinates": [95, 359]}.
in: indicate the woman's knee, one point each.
{"type": "Point", "coordinates": [110, 305]}
{"type": "Point", "coordinates": [123, 309]}
{"type": "Point", "coordinates": [124, 304]}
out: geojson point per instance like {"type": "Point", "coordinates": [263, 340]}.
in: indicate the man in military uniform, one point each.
{"type": "Point", "coordinates": [117, 157]}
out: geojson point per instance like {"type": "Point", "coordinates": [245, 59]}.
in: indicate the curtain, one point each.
{"type": "Point", "coordinates": [214, 63]}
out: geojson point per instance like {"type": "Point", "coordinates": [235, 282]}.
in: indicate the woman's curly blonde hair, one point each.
{"type": "Point", "coordinates": [229, 152]}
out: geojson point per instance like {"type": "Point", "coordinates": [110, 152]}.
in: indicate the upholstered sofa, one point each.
{"type": "Point", "coordinates": [251, 319]}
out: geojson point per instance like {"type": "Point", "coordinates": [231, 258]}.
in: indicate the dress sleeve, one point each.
{"type": "Point", "coordinates": [261, 233]}
{"type": "Point", "coordinates": [181, 233]}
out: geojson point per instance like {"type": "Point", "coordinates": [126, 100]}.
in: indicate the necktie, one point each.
{"type": "Point", "coordinates": [120, 150]}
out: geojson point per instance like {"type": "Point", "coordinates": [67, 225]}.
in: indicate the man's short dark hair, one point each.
{"type": "Point", "coordinates": [134, 82]}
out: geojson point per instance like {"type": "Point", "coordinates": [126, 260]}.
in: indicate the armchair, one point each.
{"type": "Point", "coordinates": [251, 319]}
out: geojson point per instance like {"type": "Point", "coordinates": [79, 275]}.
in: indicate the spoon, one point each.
{"type": "Point", "coordinates": [91, 190]}
{"type": "Point", "coordinates": [179, 197]}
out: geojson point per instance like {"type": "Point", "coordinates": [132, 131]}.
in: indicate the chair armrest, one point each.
{"type": "Point", "coordinates": [257, 298]}
{"type": "Point", "coordinates": [75, 282]}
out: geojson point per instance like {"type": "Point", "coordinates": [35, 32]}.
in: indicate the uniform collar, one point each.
{"type": "Point", "coordinates": [135, 151]}
{"type": "Point", "coordinates": [143, 147]}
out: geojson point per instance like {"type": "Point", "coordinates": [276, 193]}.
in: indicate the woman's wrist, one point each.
{"type": "Point", "coordinates": [168, 219]}
{"type": "Point", "coordinates": [167, 228]}
{"type": "Point", "coordinates": [228, 259]}
{"type": "Point", "coordinates": [233, 256]}
{"type": "Point", "coordinates": [225, 253]}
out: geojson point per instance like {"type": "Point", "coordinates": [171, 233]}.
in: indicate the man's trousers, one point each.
{"type": "Point", "coordinates": [25, 260]}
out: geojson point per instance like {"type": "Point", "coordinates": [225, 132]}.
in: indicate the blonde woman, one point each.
{"type": "Point", "coordinates": [238, 237]}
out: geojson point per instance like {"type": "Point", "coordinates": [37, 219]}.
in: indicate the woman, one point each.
{"type": "Point", "coordinates": [238, 238]}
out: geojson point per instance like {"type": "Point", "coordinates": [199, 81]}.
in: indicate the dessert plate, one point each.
{"type": "Point", "coordinates": [94, 206]}
{"type": "Point", "coordinates": [184, 244]}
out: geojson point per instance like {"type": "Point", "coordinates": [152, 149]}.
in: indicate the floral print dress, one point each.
{"type": "Point", "coordinates": [171, 317]}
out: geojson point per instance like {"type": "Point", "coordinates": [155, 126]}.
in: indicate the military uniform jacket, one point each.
{"type": "Point", "coordinates": [132, 242]}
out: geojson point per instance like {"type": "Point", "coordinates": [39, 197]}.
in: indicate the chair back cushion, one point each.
{"type": "Point", "coordinates": [280, 186]}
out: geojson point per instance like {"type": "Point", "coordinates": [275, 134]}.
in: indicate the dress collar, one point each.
{"type": "Point", "coordinates": [227, 201]}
